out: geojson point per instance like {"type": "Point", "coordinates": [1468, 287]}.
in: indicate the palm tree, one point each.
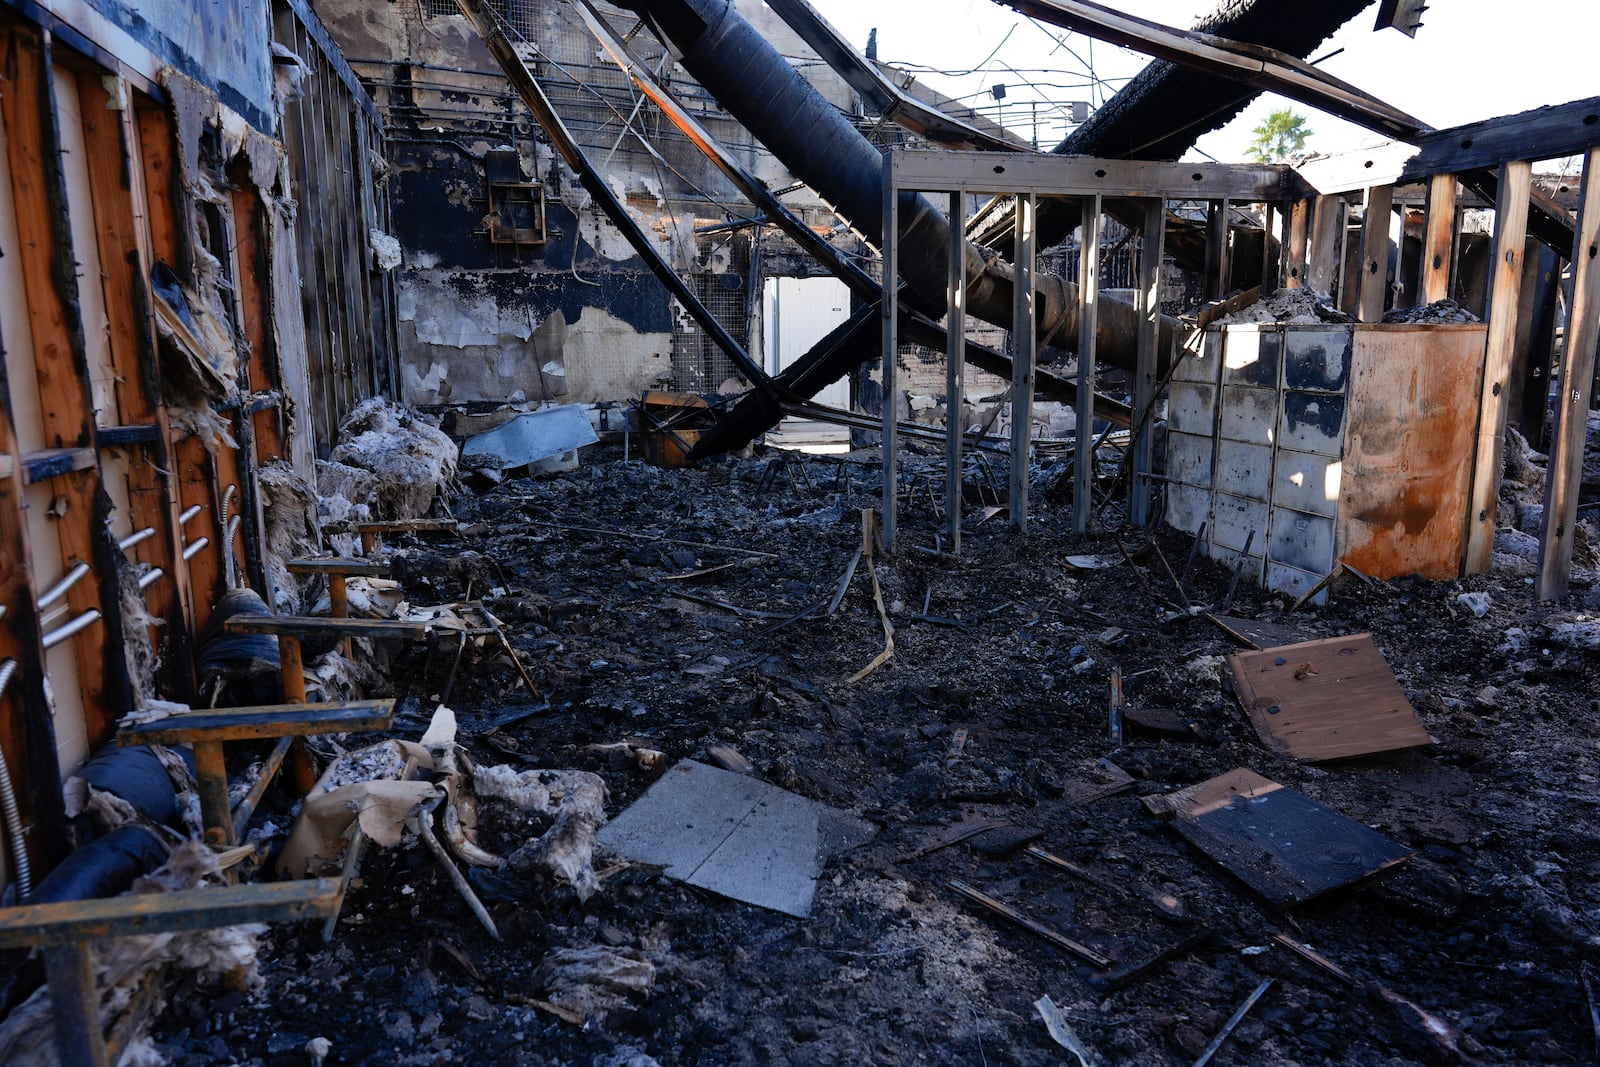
{"type": "Point", "coordinates": [1281, 136]}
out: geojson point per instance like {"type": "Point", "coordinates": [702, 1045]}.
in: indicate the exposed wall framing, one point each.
{"type": "Point", "coordinates": [335, 142]}
{"type": "Point", "coordinates": [150, 368]}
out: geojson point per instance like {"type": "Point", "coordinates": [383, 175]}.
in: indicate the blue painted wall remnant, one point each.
{"type": "Point", "coordinates": [226, 46]}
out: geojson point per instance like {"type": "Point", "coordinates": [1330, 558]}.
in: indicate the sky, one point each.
{"type": "Point", "coordinates": [1472, 59]}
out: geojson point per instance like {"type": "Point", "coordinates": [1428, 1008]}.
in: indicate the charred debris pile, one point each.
{"type": "Point", "coordinates": [688, 771]}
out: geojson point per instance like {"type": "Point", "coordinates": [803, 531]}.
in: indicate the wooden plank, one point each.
{"type": "Point", "coordinates": [122, 270]}
{"type": "Point", "coordinates": [1284, 846]}
{"type": "Point", "coordinates": [352, 566]}
{"type": "Point", "coordinates": [196, 484]}
{"type": "Point", "coordinates": [1576, 395]}
{"type": "Point", "coordinates": [1327, 233]}
{"type": "Point", "coordinates": [1025, 351]}
{"type": "Point", "coordinates": [61, 366]}
{"type": "Point", "coordinates": [1375, 248]}
{"type": "Point", "coordinates": [52, 462]}
{"type": "Point", "coordinates": [27, 728]}
{"type": "Point", "coordinates": [134, 914]}
{"type": "Point", "coordinates": [1542, 133]}
{"type": "Point", "coordinates": [1146, 384]}
{"type": "Point", "coordinates": [1293, 274]}
{"type": "Point", "coordinates": [1510, 232]}
{"type": "Point", "coordinates": [153, 489]}
{"type": "Point", "coordinates": [254, 723]}
{"type": "Point", "coordinates": [394, 526]}
{"type": "Point", "coordinates": [322, 626]}
{"type": "Point", "coordinates": [1256, 633]}
{"type": "Point", "coordinates": [1438, 240]}
{"type": "Point", "coordinates": [1088, 308]}
{"type": "Point", "coordinates": [1335, 698]}
{"type": "Point", "coordinates": [1032, 925]}
{"type": "Point", "coordinates": [1404, 489]}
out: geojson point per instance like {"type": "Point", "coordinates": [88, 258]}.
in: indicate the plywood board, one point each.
{"type": "Point", "coordinates": [1407, 479]}
{"type": "Point", "coordinates": [1284, 846]}
{"type": "Point", "coordinates": [1325, 700]}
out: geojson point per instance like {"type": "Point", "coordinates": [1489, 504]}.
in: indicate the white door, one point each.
{"type": "Point", "coordinates": [797, 313]}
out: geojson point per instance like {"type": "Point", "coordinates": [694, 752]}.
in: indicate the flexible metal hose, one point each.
{"type": "Point", "coordinates": [8, 804]}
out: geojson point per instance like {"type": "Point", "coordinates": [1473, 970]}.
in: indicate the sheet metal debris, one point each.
{"type": "Point", "coordinates": [735, 835]}
{"type": "Point", "coordinates": [545, 441]}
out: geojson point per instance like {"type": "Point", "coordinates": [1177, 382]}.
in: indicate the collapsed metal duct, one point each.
{"type": "Point", "coordinates": [760, 88]}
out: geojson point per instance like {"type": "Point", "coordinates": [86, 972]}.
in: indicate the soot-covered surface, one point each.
{"type": "Point", "coordinates": [1486, 928]}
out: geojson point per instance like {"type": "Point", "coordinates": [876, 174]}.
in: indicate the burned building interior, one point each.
{"type": "Point", "coordinates": [632, 532]}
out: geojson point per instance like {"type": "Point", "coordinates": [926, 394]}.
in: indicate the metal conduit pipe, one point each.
{"type": "Point", "coordinates": [136, 538]}
{"type": "Point", "coordinates": [59, 590]}
{"type": "Point", "coordinates": [76, 626]}
{"type": "Point", "coordinates": [769, 97]}
{"type": "Point", "coordinates": [8, 804]}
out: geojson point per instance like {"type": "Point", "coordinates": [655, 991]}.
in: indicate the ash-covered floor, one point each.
{"type": "Point", "coordinates": [1473, 950]}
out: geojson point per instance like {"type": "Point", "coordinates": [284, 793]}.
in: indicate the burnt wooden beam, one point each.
{"type": "Point", "coordinates": [1510, 234]}
{"type": "Point", "coordinates": [60, 356]}
{"type": "Point", "coordinates": [1576, 395]}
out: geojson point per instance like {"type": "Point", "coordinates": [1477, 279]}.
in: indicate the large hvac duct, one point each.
{"type": "Point", "coordinates": [818, 145]}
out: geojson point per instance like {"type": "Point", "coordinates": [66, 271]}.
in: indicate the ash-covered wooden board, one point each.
{"type": "Point", "coordinates": [1326, 700]}
{"type": "Point", "coordinates": [1283, 845]}
{"type": "Point", "coordinates": [1256, 633]}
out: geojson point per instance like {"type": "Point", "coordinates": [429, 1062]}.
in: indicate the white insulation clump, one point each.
{"type": "Point", "coordinates": [577, 800]}
{"type": "Point", "coordinates": [389, 460]}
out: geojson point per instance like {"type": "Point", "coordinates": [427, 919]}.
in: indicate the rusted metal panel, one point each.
{"type": "Point", "coordinates": [1293, 581]}
{"type": "Point", "coordinates": [1188, 507]}
{"type": "Point", "coordinates": [1414, 398]}
{"type": "Point", "coordinates": [1233, 519]}
{"type": "Point", "coordinates": [1244, 470]}
{"type": "Point", "coordinates": [1201, 366]}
